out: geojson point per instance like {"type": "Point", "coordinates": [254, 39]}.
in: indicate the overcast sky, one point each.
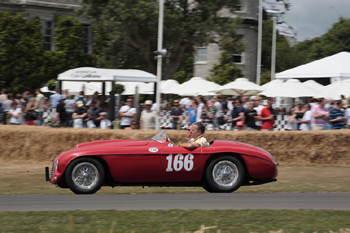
{"type": "Point", "coordinates": [313, 18]}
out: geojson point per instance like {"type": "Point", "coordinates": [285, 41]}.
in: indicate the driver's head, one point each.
{"type": "Point", "coordinates": [197, 129]}
{"type": "Point", "coordinates": [189, 131]}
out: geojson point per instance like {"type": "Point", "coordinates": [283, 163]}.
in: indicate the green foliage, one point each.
{"type": "Point", "coordinates": [265, 77]}
{"type": "Point", "coordinates": [69, 33]}
{"type": "Point", "coordinates": [24, 64]}
{"type": "Point", "coordinates": [51, 84]}
{"type": "Point", "coordinates": [226, 71]}
{"type": "Point", "coordinates": [336, 40]}
{"type": "Point", "coordinates": [185, 72]}
{"type": "Point", "coordinates": [21, 53]}
{"type": "Point", "coordinates": [126, 31]}
{"type": "Point", "coordinates": [118, 88]}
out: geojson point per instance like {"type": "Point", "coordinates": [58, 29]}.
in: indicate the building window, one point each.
{"type": "Point", "coordinates": [86, 39]}
{"type": "Point", "coordinates": [201, 54]}
{"type": "Point", "coordinates": [238, 6]}
{"type": "Point", "coordinates": [48, 35]}
{"type": "Point", "coordinates": [237, 57]}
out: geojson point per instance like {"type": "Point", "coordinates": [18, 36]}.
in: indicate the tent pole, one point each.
{"type": "Point", "coordinates": [258, 63]}
{"type": "Point", "coordinates": [112, 104]}
{"type": "Point", "coordinates": [104, 88]}
{"type": "Point", "coordinates": [159, 57]}
{"type": "Point", "coordinates": [273, 56]}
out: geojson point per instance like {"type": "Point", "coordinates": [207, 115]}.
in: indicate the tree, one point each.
{"type": "Point", "coordinates": [127, 30]}
{"type": "Point", "coordinates": [227, 71]}
{"type": "Point", "coordinates": [21, 52]}
{"type": "Point", "coordinates": [24, 64]}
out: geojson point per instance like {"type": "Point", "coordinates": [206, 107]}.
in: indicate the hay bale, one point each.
{"type": "Point", "coordinates": [293, 147]}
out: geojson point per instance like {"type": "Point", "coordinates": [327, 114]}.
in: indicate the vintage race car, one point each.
{"type": "Point", "coordinates": [224, 166]}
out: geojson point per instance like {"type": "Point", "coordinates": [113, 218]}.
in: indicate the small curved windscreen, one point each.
{"type": "Point", "coordinates": [160, 137]}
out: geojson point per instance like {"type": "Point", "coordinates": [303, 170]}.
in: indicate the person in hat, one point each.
{"type": "Point", "coordinates": [105, 123]}
{"type": "Point", "coordinates": [239, 126]}
{"type": "Point", "coordinates": [79, 115]}
{"type": "Point", "coordinates": [148, 117]}
{"type": "Point", "coordinates": [61, 111]}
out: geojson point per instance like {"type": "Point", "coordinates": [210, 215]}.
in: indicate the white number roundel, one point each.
{"type": "Point", "coordinates": [179, 162]}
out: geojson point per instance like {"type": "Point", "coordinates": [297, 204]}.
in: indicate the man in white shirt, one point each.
{"type": "Point", "coordinates": [218, 110]}
{"type": "Point", "coordinates": [185, 102]}
{"type": "Point", "coordinates": [258, 107]}
{"type": "Point", "coordinates": [200, 107]}
{"type": "Point", "coordinates": [3, 95]}
{"type": "Point", "coordinates": [127, 113]}
{"type": "Point", "coordinates": [39, 107]}
{"type": "Point", "coordinates": [347, 117]}
{"type": "Point", "coordinates": [148, 117]}
{"type": "Point", "coordinates": [305, 122]}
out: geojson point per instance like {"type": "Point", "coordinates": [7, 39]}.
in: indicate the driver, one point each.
{"type": "Point", "coordinates": [197, 140]}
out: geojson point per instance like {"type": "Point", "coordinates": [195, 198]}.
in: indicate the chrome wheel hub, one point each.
{"type": "Point", "coordinates": [225, 173]}
{"type": "Point", "coordinates": [85, 175]}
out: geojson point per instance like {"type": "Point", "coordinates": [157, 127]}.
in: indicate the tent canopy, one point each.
{"type": "Point", "coordinates": [91, 74]}
{"type": "Point", "coordinates": [335, 66]}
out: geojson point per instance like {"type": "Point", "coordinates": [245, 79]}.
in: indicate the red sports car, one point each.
{"type": "Point", "coordinates": [224, 166]}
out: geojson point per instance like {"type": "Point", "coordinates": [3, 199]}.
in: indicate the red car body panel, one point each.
{"type": "Point", "coordinates": [149, 161]}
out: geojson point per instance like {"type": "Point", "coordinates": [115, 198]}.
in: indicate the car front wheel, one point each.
{"type": "Point", "coordinates": [85, 176]}
{"type": "Point", "coordinates": [224, 174]}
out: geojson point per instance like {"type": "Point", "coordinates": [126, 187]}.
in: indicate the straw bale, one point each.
{"type": "Point", "coordinates": [292, 147]}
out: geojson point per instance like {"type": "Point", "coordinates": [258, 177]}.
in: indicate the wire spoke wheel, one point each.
{"type": "Point", "coordinates": [225, 173]}
{"type": "Point", "coordinates": [85, 175]}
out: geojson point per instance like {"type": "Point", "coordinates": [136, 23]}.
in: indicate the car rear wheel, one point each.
{"type": "Point", "coordinates": [85, 176]}
{"type": "Point", "coordinates": [224, 174]}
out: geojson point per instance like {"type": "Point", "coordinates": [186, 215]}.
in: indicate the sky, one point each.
{"type": "Point", "coordinates": [313, 18]}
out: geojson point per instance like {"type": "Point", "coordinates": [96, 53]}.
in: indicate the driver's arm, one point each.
{"type": "Point", "coordinates": [190, 145]}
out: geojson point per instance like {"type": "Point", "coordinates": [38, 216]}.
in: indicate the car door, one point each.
{"type": "Point", "coordinates": [179, 164]}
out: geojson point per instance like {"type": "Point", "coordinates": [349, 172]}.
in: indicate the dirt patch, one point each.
{"type": "Point", "coordinates": [44, 143]}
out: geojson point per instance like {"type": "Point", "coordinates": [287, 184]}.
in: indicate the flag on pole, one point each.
{"type": "Point", "coordinates": [274, 6]}
{"type": "Point", "coordinates": [285, 30]}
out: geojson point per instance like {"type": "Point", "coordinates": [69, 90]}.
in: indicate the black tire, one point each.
{"type": "Point", "coordinates": [224, 174]}
{"type": "Point", "coordinates": [94, 175]}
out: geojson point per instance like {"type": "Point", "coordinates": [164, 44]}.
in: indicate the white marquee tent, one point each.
{"type": "Point", "coordinates": [241, 86]}
{"type": "Point", "coordinates": [193, 87]}
{"type": "Point", "coordinates": [292, 88]}
{"type": "Point", "coordinates": [91, 74]}
{"type": "Point", "coordinates": [335, 67]}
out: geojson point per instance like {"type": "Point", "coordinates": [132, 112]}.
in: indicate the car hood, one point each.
{"type": "Point", "coordinates": [114, 143]}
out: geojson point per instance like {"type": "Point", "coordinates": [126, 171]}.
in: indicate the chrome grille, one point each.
{"type": "Point", "coordinates": [52, 173]}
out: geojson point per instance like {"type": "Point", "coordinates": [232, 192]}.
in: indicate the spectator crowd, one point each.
{"type": "Point", "coordinates": [249, 113]}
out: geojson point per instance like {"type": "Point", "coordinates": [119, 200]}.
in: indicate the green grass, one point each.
{"type": "Point", "coordinates": [176, 221]}
{"type": "Point", "coordinates": [22, 178]}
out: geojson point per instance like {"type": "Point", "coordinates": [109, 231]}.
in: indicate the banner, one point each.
{"type": "Point", "coordinates": [285, 30]}
{"type": "Point", "coordinates": [274, 6]}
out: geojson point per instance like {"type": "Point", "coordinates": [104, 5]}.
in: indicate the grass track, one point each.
{"type": "Point", "coordinates": [20, 178]}
{"type": "Point", "coordinates": [176, 221]}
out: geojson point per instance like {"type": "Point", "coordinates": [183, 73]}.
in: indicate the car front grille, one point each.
{"type": "Point", "coordinates": [52, 173]}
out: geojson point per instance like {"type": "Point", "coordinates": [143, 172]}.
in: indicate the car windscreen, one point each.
{"type": "Point", "coordinates": [160, 137]}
